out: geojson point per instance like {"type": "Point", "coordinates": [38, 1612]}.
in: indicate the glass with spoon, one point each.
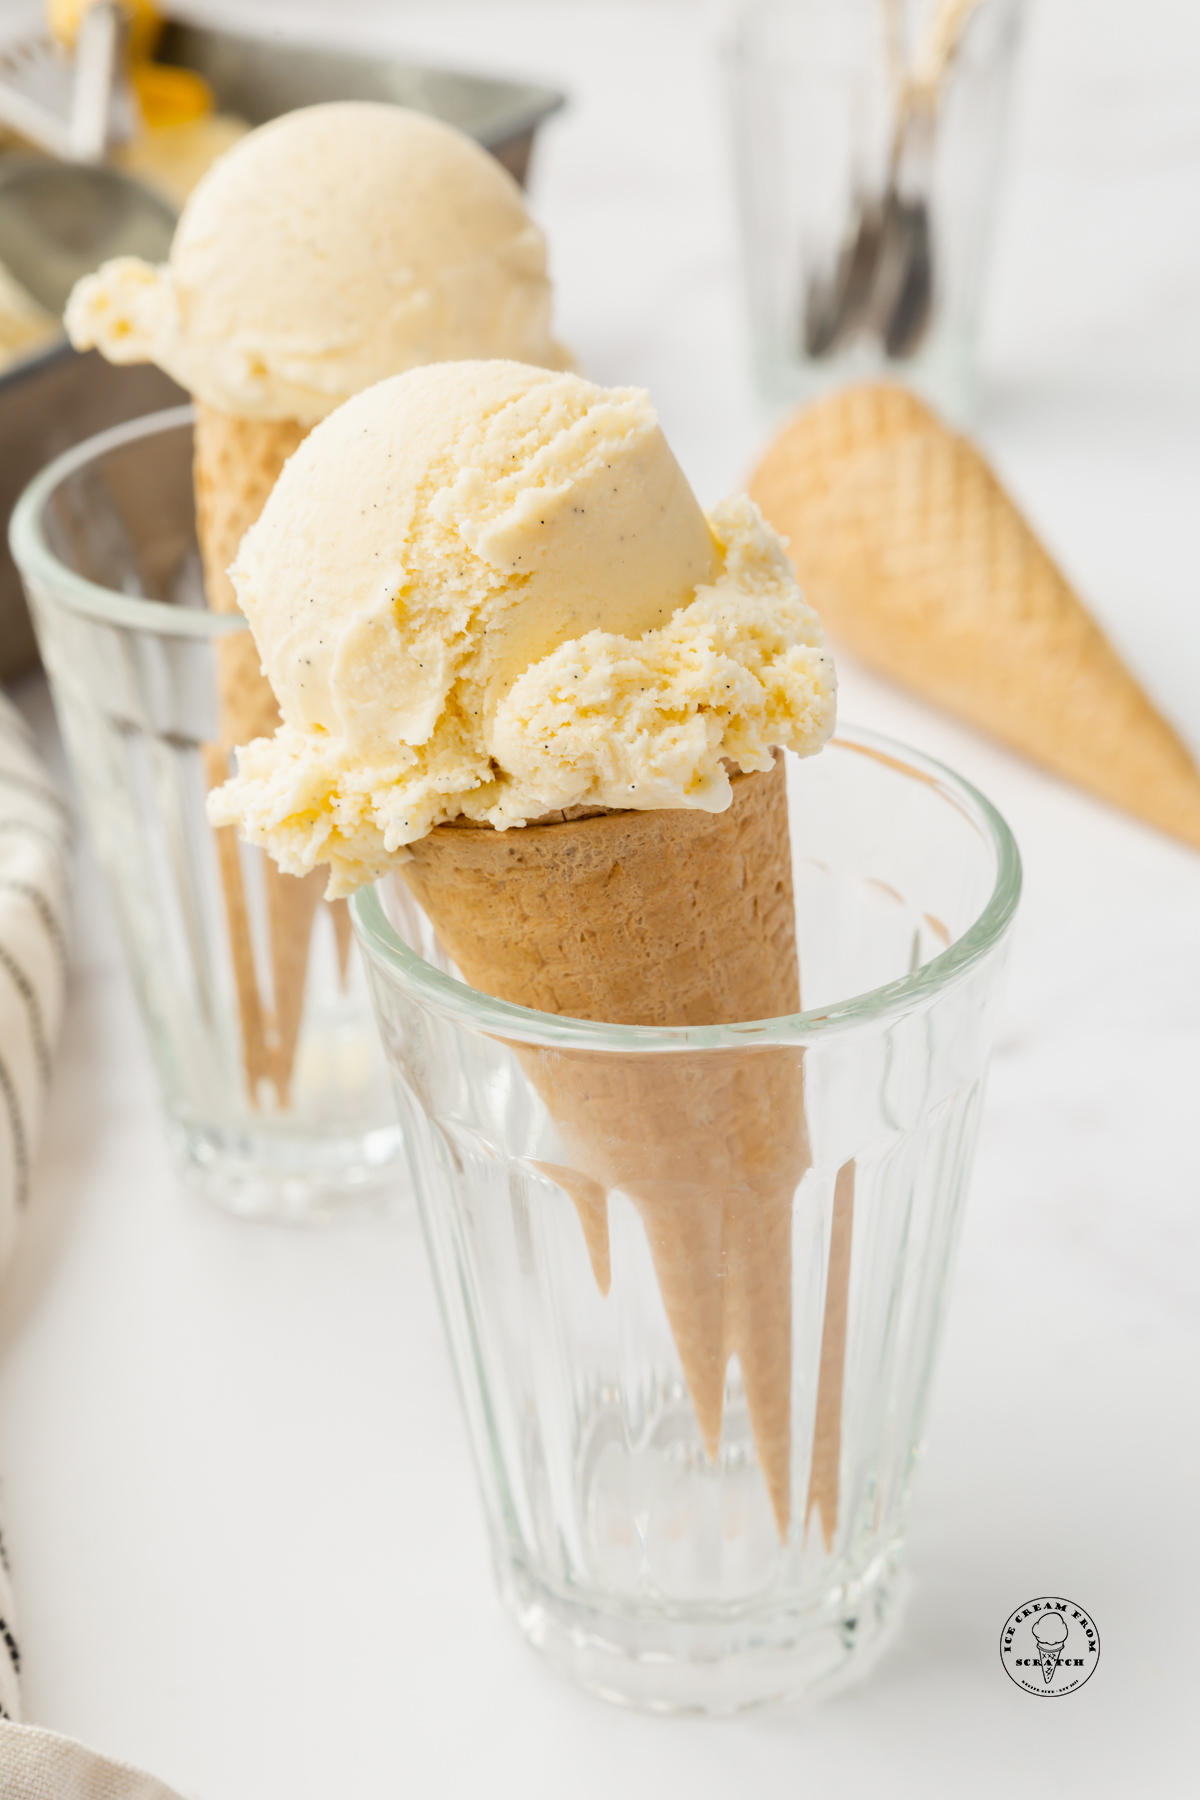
{"type": "Point", "coordinates": [868, 138]}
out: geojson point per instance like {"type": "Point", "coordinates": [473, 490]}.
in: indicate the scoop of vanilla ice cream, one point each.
{"type": "Point", "coordinates": [1050, 1629]}
{"type": "Point", "coordinates": [487, 590]}
{"type": "Point", "coordinates": [327, 250]}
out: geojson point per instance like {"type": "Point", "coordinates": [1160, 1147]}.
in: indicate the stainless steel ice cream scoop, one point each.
{"type": "Point", "coordinates": [59, 221]}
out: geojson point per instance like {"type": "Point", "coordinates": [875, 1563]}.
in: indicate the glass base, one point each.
{"type": "Point", "coordinates": [295, 1179]}
{"type": "Point", "coordinates": [716, 1667]}
{"type": "Point", "coordinates": [946, 377]}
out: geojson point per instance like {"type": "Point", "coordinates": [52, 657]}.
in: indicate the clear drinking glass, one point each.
{"type": "Point", "coordinates": [867, 137]}
{"type": "Point", "coordinates": [812, 1167]}
{"type": "Point", "coordinates": [250, 985]}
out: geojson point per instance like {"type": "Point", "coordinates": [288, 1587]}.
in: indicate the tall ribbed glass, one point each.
{"type": "Point", "coordinates": [249, 984]}
{"type": "Point", "coordinates": [609, 1208]}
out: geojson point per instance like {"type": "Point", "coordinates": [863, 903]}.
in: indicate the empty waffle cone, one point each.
{"type": "Point", "coordinates": [917, 560]}
{"type": "Point", "coordinates": [660, 918]}
{"type": "Point", "coordinates": [237, 463]}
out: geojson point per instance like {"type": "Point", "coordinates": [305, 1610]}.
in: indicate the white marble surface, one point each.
{"type": "Point", "coordinates": [239, 1505]}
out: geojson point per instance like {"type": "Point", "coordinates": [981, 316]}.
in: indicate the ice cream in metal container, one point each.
{"type": "Point", "coordinates": [56, 397]}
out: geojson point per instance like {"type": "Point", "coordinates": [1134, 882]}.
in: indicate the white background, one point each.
{"type": "Point", "coordinates": [238, 1500]}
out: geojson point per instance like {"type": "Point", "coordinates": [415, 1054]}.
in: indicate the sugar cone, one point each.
{"type": "Point", "coordinates": [660, 918]}
{"type": "Point", "coordinates": [825, 1478]}
{"type": "Point", "coordinates": [343, 932]}
{"type": "Point", "coordinates": [917, 559]}
{"type": "Point", "coordinates": [256, 1056]}
{"type": "Point", "coordinates": [237, 462]}
{"type": "Point", "coordinates": [811, 455]}
{"type": "Point", "coordinates": [638, 918]}
{"type": "Point", "coordinates": [291, 903]}
{"type": "Point", "coordinates": [590, 1200]}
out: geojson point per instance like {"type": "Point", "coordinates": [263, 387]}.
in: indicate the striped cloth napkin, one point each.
{"type": "Point", "coordinates": [33, 962]}
{"type": "Point", "coordinates": [34, 843]}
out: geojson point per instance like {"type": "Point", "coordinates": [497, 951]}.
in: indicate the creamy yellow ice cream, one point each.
{"type": "Point", "coordinates": [327, 250]}
{"type": "Point", "coordinates": [487, 590]}
{"type": "Point", "coordinates": [172, 159]}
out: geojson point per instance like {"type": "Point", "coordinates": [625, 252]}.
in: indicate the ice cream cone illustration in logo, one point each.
{"type": "Point", "coordinates": [1050, 1633]}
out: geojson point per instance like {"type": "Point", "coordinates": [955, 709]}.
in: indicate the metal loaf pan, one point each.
{"type": "Point", "coordinates": [259, 79]}
{"type": "Point", "coordinates": [57, 398]}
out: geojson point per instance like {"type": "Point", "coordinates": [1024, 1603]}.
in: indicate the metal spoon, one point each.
{"type": "Point", "coordinates": [899, 309]}
{"type": "Point", "coordinates": [834, 310]}
{"type": "Point", "coordinates": [883, 278]}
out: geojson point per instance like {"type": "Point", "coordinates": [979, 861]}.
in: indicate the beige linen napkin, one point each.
{"type": "Point", "coordinates": [40, 1765]}
{"type": "Point", "coordinates": [34, 833]}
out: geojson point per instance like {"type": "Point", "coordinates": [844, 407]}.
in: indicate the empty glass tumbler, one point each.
{"type": "Point", "coordinates": [867, 140]}
{"type": "Point", "coordinates": [693, 1278]}
{"type": "Point", "coordinates": [249, 983]}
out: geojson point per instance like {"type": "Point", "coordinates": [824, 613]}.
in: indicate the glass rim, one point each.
{"type": "Point", "coordinates": [37, 562]}
{"type": "Point", "coordinates": [464, 1005]}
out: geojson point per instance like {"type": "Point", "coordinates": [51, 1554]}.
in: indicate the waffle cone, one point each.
{"type": "Point", "coordinates": [236, 464]}
{"type": "Point", "coordinates": [824, 1482]}
{"type": "Point", "coordinates": [660, 918]}
{"type": "Point", "coordinates": [917, 559]}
